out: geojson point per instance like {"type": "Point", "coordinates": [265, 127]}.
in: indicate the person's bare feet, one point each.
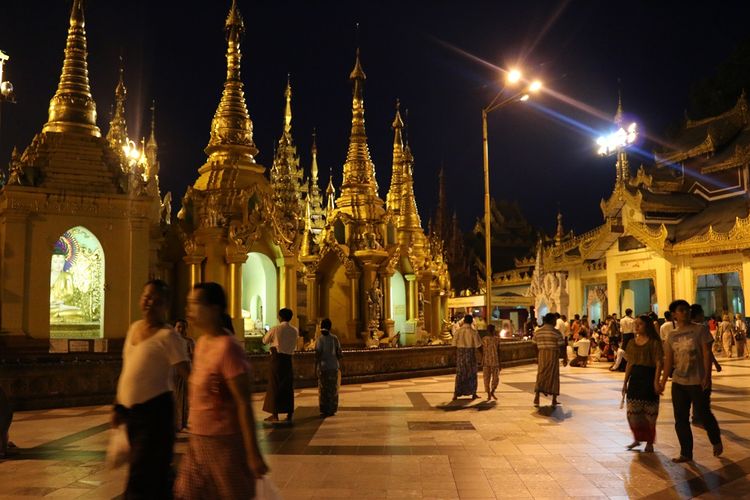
{"type": "Point", "coordinates": [681, 459]}
{"type": "Point", "coordinates": [649, 448]}
{"type": "Point", "coordinates": [718, 449]}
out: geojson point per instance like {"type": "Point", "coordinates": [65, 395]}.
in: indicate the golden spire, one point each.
{"type": "Point", "coordinates": [359, 187]}
{"type": "Point", "coordinates": [330, 197]}
{"type": "Point", "coordinates": [152, 136]}
{"type": "Point", "coordinates": [288, 108]}
{"type": "Point", "coordinates": [117, 135]}
{"type": "Point", "coordinates": [231, 127]}
{"type": "Point", "coordinates": [307, 237]}
{"type": "Point", "coordinates": [559, 233]}
{"type": "Point", "coordinates": [314, 166]}
{"type": "Point", "coordinates": [72, 109]}
{"type": "Point", "coordinates": [393, 198]}
{"type": "Point", "coordinates": [151, 146]}
{"type": "Point", "coordinates": [618, 113]}
{"type": "Point", "coordinates": [408, 219]}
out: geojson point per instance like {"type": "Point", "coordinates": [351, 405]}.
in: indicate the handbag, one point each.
{"type": "Point", "coordinates": [265, 489]}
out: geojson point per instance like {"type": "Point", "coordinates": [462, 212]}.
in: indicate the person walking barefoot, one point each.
{"type": "Point", "coordinates": [551, 347]}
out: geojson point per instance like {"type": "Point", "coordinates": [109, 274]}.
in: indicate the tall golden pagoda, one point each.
{"type": "Point", "coordinates": [314, 196]}
{"type": "Point", "coordinates": [75, 215]}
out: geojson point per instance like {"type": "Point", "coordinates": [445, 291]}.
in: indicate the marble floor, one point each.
{"type": "Point", "coordinates": [405, 439]}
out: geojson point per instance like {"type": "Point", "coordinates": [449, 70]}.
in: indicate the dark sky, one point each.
{"type": "Point", "coordinates": [428, 54]}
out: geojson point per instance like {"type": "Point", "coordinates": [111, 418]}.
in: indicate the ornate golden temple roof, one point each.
{"type": "Point", "coordinates": [72, 109]}
{"type": "Point", "coordinates": [117, 135]}
{"type": "Point", "coordinates": [359, 189]}
{"type": "Point", "coordinates": [231, 150]}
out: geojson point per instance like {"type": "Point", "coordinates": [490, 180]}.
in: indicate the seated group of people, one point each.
{"type": "Point", "coordinates": [604, 348]}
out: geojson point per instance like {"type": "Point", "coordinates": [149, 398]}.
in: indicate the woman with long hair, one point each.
{"type": "Point", "coordinates": [645, 356]}
{"type": "Point", "coordinates": [223, 459]}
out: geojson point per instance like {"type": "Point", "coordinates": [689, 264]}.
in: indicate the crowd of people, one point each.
{"type": "Point", "coordinates": [170, 382]}
{"type": "Point", "coordinates": [681, 347]}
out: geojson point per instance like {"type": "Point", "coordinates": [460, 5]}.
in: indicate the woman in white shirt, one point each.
{"type": "Point", "coordinates": [151, 352]}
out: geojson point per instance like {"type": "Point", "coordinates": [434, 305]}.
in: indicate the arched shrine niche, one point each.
{"type": "Point", "coordinates": [259, 294]}
{"type": "Point", "coordinates": [76, 297]}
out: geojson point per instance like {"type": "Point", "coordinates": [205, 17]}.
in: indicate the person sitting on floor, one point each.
{"type": "Point", "coordinates": [620, 359]}
{"type": "Point", "coordinates": [583, 346]}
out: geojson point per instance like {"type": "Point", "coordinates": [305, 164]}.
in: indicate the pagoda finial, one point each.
{"type": "Point", "coordinates": [72, 109]}
{"type": "Point", "coordinates": [231, 127]}
{"type": "Point", "coordinates": [330, 195]}
{"type": "Point", "coordinates": [359, 171]}
{"type": "Point", "coordinates": [559, 233]}
{"type": "Point", "coordinates": [393, 198]}
{"type": "Point", "coordinates": [314, 166]}
{"type": "Point", "coordinates": [117, 135]}
{"type": "Point", "coordinates": [619, 112]}
{"type": "Point", "coordinates": [288, 109]}
{"type": "Point", "coordinates": [152, 136]}
{"type": "Point", "coordinates": [408, 219]}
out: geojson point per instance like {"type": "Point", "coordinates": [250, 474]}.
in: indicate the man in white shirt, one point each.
{"type": "Point", "coordinates": [583, 346]}
{"type": "Point", "coordinates": [627, 328]}
{"type": "Point", "coordinates": [667, 327]}
{"type": "Point", "coordinates": [280, 392]}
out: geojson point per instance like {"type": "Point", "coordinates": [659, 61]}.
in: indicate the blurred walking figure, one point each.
{"type": "Point", "coordinates": [223, 459]}
{"type": "Point", "coordinates": [551, 347]}
{"type": "Point", "coordinates": [280, 392]}
{"type": "Point", "coordinates": [491, 361]}
{"type": "Point", "coordinates": [180, 382]}
{"type": "Point", "coordinates": [467, 341]}
{"type": "Point", "coordinates": [740, 335]}
{"type": "Point", "coordinates": [641, 385]}
{"type": "Point", "coordinates": [726, 335]}
{"type": "Point", "coordinates": [327, 356]}
{"type": "Point", "coordinates": [152, 351]}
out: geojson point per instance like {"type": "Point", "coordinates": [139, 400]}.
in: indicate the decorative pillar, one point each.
{"type": "Point", "coordinates": [194, 267]}
{"type": "Point", "coordinates": [353, 323]}
{"type": "Point", "coordinates": [234, 292]}
{"type": "Point", "coordinates": [388, 322]}
{"type": "Point", "coordinates": [288, 286]}
{"type": "Point", "coordinates": [311, 294]}
{"type": "Point", "coordinates": [412, 296]}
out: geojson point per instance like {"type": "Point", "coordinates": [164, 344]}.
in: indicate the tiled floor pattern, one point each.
{"type": "Point", "coordinates": [405, 439]}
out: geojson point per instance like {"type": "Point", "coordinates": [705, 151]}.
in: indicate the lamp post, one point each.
{"type": "Point", "coordinates": [513, 77]}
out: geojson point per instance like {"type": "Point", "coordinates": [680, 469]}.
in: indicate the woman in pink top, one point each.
{"type": "Point", "coordinates": [223, 458]}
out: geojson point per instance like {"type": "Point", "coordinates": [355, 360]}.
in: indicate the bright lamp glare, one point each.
{"type": "Point", "coordinates": [535, 86]}
{"type": "Point", "coordinates": [524, 98]}
{"type": "Point", "coordinates": [616, 140]}
{"type": "Point", "coordinates": [514, 76]}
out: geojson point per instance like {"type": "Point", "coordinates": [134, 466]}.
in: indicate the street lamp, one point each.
{"type": "Point", "coordinates": [513, 77]}
{"type": "Point", "coordinates": [618, 142]}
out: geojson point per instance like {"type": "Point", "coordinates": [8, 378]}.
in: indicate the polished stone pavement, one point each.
{"type": "Point", "coordinates": [405, 439]}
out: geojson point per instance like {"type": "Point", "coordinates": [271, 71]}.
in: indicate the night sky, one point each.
{"type": "Point", "coordinates": [440, 58]}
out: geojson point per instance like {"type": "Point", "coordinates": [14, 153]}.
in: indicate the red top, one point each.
{"type": "Point", "coordinates": [213, 411]}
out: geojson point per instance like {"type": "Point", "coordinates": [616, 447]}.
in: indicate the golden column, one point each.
{"type": "Point", "coordinates": [288, 285]}
{"type": "Point", "coordinates": [311, 291]}
{"type": "Point", "coordinates": [412, 298]}
{"type": "Point", "coordinates": [353, 323]}
{"type": "Point", "coordinates": [234, 290]}
{"type": "Point", "coordinates": [388, 322]}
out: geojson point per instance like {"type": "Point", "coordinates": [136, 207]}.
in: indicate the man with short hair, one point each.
{"type": "Point", "coordinates": [551, 347]}
{"type": "Point", "coordinates": [688, 351]}
{"type": "Point", "coordinates": [582, 348]}
{"type": "Point", "coordinates": [627, 328]}
{"type": "Point", "coordinates": [280, 392]}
